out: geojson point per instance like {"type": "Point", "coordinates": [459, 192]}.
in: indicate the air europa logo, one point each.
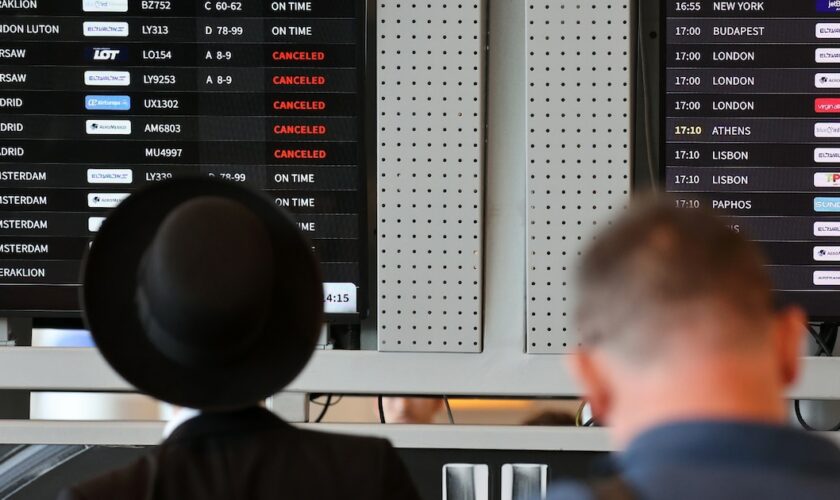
{"type": "Point", "coordinates": [107, 103]}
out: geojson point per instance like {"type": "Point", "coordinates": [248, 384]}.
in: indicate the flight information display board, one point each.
{"type": "Point", "coordinates": [101, 97]}
{"type": "Point", "coordinates": [751, 114]}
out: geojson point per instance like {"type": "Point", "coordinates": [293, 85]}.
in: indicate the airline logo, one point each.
{"type": "Point", "coordinates": [826, 278]}
{"type": "Point", "coordinates": [827, 130]}
{"type": "Point", "coordinates": [105, 5]}
{"type": "Point", "coordinates": [827, 204]}
{"type": "Point", "coordinates": [110, 176]}
{"type": "Point", "coordinates": [106, 54]}
{"type": "Point", "coordinates": [827, 105]}
{"type": "Point", "coordinates": [827, 179]}
{"type": "Point", "coordinates": [107, 103]}
{"type": "Point", "coordinates": [827, 155]}
{"type": "Point", "coordinates": [827, 80]}
{"type": "Point", "coordinates": [827, 56]}
{"type": "Point", "coordinates": [828, 30]}
{"type": "Point", "coordinates": [108, 127]}
{"type": "Point", "coordinates": [827, 254]}
{"type": "Point", "coordinates": [107, 78]}
{"type": "Point", "coordinates": [106, 200]}
{"type": "Point", "coordinates": [103, 28]}
{"type": "Point", "coordinates": [827, 229]}
{"type": "Point", "coordinates": [828, 6]}
{"type": "Point", "coordinates": [94, 223]}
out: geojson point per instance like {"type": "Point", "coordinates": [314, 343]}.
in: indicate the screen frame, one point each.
{"type": "Point", "coordinates": [366, 159]}
{"type": "Point", "coordinates": [655, 12]}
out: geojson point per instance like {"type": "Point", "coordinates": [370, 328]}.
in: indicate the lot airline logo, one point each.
{"type": "Point", "coordinates": [106, 54]}
{"type": "Point", "coordinates": [828, 6]}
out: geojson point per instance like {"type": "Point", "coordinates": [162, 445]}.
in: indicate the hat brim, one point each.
{"type": "Point", "coordinates": [279, 353]}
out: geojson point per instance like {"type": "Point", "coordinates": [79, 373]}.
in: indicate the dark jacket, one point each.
{"type": "Point", "coordinates": [723, 461]}
{"type": "Point", "coordinates": [253, 455]}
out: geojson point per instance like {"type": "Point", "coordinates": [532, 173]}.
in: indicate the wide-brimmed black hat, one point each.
{"type": "Point", "coordinates": [203, 293]}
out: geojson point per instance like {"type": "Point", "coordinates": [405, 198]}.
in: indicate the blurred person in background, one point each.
{"type": "Point", "coordinates": [687, 359]}
{"type": "Point", "coordinates": [205, 295]}
{"type": "Point", "coordinates": [404, 410]}
{"type": "Point", "coordinates": [551, 418]}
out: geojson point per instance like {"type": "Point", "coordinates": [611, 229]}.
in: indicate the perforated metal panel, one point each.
{"type": "Point", "coordinates": [578, 154]}
{"type": "Point", "coordinates": [430, 158]}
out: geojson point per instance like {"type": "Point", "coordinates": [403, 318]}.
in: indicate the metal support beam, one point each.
{"type": "Point", "coordinates": [513, 375]}
{"type": "Point", "coordinates": [402, 436]}
{"type": "Point", "coordinates": [453, 437]}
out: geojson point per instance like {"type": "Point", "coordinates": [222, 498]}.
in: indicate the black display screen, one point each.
{"type": "Point", "coordinates": [101, 97]}
{"type": "Point", "coordinates": [751, 116]}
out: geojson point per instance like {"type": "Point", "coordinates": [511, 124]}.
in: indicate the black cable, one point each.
{"type": "Point", "coordinates": [826, 339]}
{"type": "Point", "coordinates": [381, 410]}
{"type": "Point", "coordinates": [318, 403]}
{"type": "Point", "coordinates": [448, 410]}
{"type": "Point", "coordinates": [804, 424]}
{"type": "Point", "coordinates": [324, 410]}
{"type": "Point", "coordinates": [579, 414]}
{"type": "Point", "coordinates": [820, 341]}
{"type": "Point", "coordinates": [314, 400]}
{"type": "Point", "coordinates": [646, 97]}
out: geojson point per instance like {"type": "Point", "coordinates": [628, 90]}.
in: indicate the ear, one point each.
{"type": "Point", "coordinates": [788, 332]}
{"type": "Point", "coordinates": [587, 369]}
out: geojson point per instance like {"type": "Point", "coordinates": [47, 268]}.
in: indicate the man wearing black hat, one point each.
{"type": "Point", "coordinates": [205, 295]}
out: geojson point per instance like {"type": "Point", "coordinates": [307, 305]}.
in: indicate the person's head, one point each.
{"type": "Point", "coordinates": [676, 320]}
{"type": "Point", "coordinates": [551, 418]}
{"type": "Point", "coordinates": [411, 410]}
{"type": "Point", "coordinates": [203, 294]}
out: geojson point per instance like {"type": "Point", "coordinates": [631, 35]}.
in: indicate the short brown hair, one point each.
{"type": "Point", "coordinates": [656, 262]}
